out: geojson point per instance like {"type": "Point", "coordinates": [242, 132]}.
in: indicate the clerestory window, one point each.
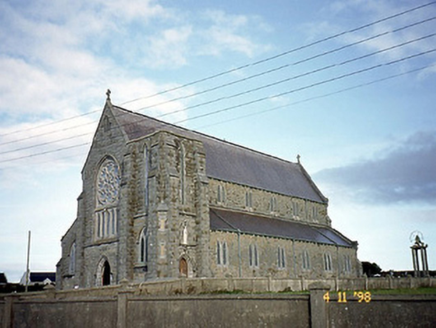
{"type": "Point", "coordinates": [221, 194]}
{"type": "Point", "coordinates": [248, 199]}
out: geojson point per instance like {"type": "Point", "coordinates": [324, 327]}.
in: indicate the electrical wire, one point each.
{"type": "Point", "coordinates": [269, 97]}
{"type": "Point", "coordinates": [255, 63]}
{"type": "Point", "coordinates": [306, 87]}
{"type": "Point", "coordinates": [318, 97]}
{"type": "Point", "coordinates": [250, 90]}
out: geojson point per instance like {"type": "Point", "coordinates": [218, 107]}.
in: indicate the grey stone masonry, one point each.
{"type": "Point", "coordinates": [144, 212]}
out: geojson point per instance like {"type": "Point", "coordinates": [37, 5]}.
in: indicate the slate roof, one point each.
{"type": "Point", "coordinates": [230, 162]}
{"type": "Point", "coordinates": [224, 220]}
{"type": "Point", "coordinates": [36, 277]}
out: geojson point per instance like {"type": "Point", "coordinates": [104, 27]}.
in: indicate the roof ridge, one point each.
{"type": "Point", "coordinates": [204, 135]}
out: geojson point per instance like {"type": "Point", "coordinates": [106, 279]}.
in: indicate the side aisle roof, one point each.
{"type": "Point", "coordinates": [224, 220]}
{"type": "Point", "coordinates": [230, 162]}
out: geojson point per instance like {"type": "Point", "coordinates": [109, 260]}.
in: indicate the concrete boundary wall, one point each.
{"type": "Point", "coordinates": [181, 303]}
{"type": "Point", "coordinates": [269, 284]}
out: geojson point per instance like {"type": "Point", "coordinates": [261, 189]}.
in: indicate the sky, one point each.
{"type": "Point", "coordinates": [347, 85]}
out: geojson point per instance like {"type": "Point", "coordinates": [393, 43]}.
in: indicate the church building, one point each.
{"type": "Point", "coordinates": [161, 202]}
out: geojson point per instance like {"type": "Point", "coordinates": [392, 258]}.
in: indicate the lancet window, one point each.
{"type": "Point", "coordinates": [72, 262]}
{"type": "Point", "coordinates": [143, 248]}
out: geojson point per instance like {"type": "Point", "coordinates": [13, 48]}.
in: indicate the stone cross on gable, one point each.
{"type": "Point", "coordinates": [108, 94]}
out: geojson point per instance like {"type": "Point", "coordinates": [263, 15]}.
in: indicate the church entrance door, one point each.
{"type": "Point", "coordinates": [183, 267]}
{"type": "Point", "coordinates": [106, 274]}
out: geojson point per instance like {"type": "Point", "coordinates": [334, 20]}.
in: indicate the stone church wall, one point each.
{"type": "Point", "coordinates": [268, 259]}
{"type": "Point", "coordinates": [286, 207]}
{"type": "Point", "coordinates": [109, 141]}
{"type": "Point", "coordinates": [171, 195]}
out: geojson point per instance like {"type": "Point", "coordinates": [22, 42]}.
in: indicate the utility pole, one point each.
{"type": "Point", "coordinates": [28, 257]}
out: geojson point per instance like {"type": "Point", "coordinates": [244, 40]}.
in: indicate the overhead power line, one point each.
{"type": "Point", "coordinates": [277, 95]}
{"type": "Point", "coordinates": [239, 93]}
{"type": "Point", "coordinates": [320, 96]}
{"type": "Point", "coordinates": [244, 79]}
{"type": "Point", "coordinates": [255, 63]}
{"type": "Point", "coordinates": [298, 76]}
{"type": "Point", "coordinates": [286, 52]}
{"type": "Point", "coordinates": [287, 65]}
{"type": "Point", "coordinates": [307, 86]}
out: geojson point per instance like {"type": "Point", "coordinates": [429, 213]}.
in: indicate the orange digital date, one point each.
{"type": "Point", "coordinates": [362, 296]}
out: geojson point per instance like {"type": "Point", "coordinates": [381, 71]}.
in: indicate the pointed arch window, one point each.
{"type": "Point", "coordinates": [221, 194]}
{"type": "Point", "coordinates": [273, 204]}
{"type": "Point", "coordinates": [314, 213]}
{"type": "Point", "coordinates": [146, 169]}
{"type": "Point", "coordinates": [347, 263]}
{"type": "Point", "coordinates": [327, 262]}
{"type": "Point", "coordinates": [182, 174]}
{"type": "Point", "coordinates": [281, 262]}
{"type": "Point", "coordinates": [221, 253]}
{"type": "Point", "coordinates": [107, 195]}
{"type": "Point", "coordinates": [305, 260]}
{"type": "Point", "coordinates": [184, 233]}
{"type": "Point", "coordinates": [295, 209]}
{"type": "Point", "coordinates": [72, 262]}
{"type": "Point", "coordinates": [248, 200]}
{"type": "Point", "coordinates": [253, 256]}
{"type": "Point", "coordinates": [143, 248]}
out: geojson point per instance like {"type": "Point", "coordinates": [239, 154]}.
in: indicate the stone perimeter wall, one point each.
{"type": "Point", "coordinates": [132, 306]}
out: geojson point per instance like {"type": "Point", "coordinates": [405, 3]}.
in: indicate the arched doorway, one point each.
{"type": "Point", "coordinates": [103, 276]}
{"type": "Point", "coordinates": [106, 274]}
{"type": "Point", "coordinates": [183, 267]}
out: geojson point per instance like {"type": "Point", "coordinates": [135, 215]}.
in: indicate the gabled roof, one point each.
{"type": "Point", "coordinates": [224, 220]}
{"type": "Point", "coordinates": [230, 162]}
{"type": "Point", "coordinates": [41, 276]}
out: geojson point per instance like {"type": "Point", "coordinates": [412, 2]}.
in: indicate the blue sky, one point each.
{"type": "Point", "coordinates": [358, 107]}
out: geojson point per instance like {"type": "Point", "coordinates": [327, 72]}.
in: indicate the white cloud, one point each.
{"type": "Point", "coordinates": [404, 173]}
{"type": "Point", "coordinates": [133, 9]}
{"type": "Point", "coordinates": [169, 48]}
{"type": "Point", "coordinates": [232, 33]}
{"type": "Point", "coordinates": [60, 57]}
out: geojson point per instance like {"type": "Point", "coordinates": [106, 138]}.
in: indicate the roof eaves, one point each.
{"type": "Point", "coordinates": [310, 226]}
{"type": "Point", "coordinates": [279, 237]}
